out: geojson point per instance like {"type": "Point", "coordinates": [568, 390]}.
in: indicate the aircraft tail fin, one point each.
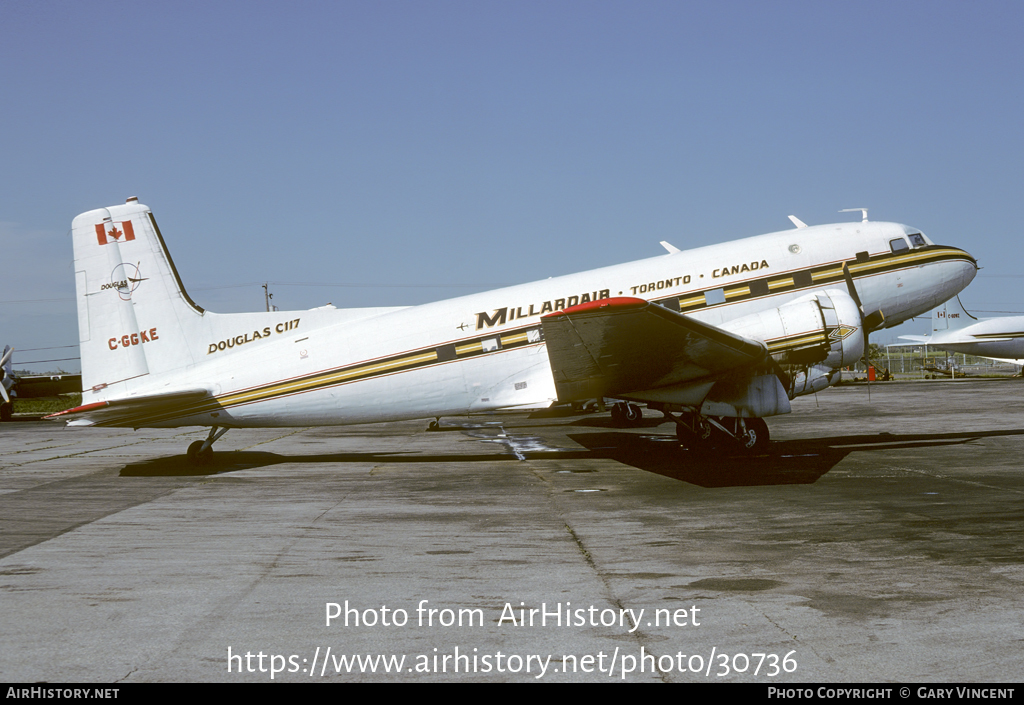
{"type": "Point", "coordinates": [134, 317]}
{"type": "Point", "coordinates": [951, 316]}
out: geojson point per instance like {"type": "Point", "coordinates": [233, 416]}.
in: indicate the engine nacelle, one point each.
{"type": "Point", "coordinates": [823, 328]}
{"type": "Point", "coordinates": [811, 378]}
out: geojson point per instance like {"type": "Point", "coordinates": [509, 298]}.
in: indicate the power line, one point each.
{"type": "Point", "coordinates": [57, 347]}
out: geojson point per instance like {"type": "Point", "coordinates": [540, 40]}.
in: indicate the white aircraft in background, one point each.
{"type": "Point", "coordinates": [717, 338]}
{"type": "Point", "coordinates": [955, 330]}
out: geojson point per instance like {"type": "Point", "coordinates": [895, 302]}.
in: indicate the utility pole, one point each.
{"type": "Point", "coordinates": [267, 296]}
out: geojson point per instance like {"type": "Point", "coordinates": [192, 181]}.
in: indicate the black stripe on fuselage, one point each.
{"type": "Point", "coordinates": [810, 279]}
{"type": "Point", "coordinates": [402, 362]}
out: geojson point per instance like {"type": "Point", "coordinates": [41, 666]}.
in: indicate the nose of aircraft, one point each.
{"type": "Point", "coordinates": [960, 271]}
{"type": "Point", "coordinates": [969, 267]}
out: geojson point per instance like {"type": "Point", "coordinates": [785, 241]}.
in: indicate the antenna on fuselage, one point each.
{"type": "Point", "coordinates": [863, 212]}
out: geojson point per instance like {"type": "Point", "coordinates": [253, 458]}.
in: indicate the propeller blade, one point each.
{"type": "Point", "coordinates": [853, 290]}
{"type": "Point", "coordinates": [4, 362]}
{"type": "Point", "coordinates": [873, 321]}
{"type": "Point", "coordinates": [870, 322]}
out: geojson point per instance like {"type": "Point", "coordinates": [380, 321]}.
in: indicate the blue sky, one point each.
{"type": "Point", "coordinates": [404, 152]}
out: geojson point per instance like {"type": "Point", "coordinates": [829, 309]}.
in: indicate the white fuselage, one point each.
{"type": "Point", "coordinates": [483, 351]}
{"type": "Point", "coordinates": [1001, 338]}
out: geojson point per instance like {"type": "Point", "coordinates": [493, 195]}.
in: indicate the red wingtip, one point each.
{"type": "Point", "coordinates": [618, 302]}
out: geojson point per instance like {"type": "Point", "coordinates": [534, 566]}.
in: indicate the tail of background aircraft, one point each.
{"type": "Point", "coordinates": [951, 316]}
{"type": "Point", "coordinates": [134, 317]}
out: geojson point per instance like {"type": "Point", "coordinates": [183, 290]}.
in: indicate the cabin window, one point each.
{"type": "Point", "coordinates": [446, 353]}
{"type": "Point", "coordinates": [917, 240]}
{"type": "Point", "coordinates": [898, 245]}
{"type": "Point", "coordinates": [802, 279]}
{"type": "Point", "coordinates": [715, 296]}
{"type": "Point", "coordinates": [759, 287]}
{"type": "Point", "coordinates": [491, 344]}
{"type": "Point", "coordinates": [863, 257]}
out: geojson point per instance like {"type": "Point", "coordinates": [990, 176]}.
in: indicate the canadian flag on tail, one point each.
{"type": "Point", "coordinates": [105, 236]}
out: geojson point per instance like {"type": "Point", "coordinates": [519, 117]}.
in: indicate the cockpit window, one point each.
{"type": "Point", "coordinates": [917, 240]}
{"type": "Point", "coordinates": [899, 245]}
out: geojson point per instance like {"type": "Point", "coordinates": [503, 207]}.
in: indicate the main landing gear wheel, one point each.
{"type": "Point", "coordinates": [755, 438]}
{"type": "Point", "coordinates": [750, 436]}
{"type": "Point", "coordinates": [6, 410]}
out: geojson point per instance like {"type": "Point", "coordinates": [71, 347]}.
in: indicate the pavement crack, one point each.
{"type": "Point", "coordinates": [275, 438]}
{"type": "Point", "coordinates": [637, 634]}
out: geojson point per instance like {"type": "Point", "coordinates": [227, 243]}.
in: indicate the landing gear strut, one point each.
{"type": "Point", "coordinates": [749, 435]}
{"type": "Point", "coordinates": [694, 432]}
{"type": "Point", "coordinates": [752, 434]}
{"type": "Point", "coordinates": [201, 452]}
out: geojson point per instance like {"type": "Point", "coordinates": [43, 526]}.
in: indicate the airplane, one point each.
{"type": "Point", "coordinates": [716, 338]}
{"type": "Point", "coordinates": [955, 330]}
{"type": "Point", "coordinates": [30, 386]}
{"type": "Point", "coordinates": [6, 383]}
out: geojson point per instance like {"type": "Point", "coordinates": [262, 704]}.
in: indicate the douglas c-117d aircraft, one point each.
{"type": "Point", "coordinates": [716, 338]}
{"type": "Point", "coordinates": [957, 331]}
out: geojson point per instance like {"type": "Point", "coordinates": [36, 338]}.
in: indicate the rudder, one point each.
{"type": "Point", "coordinates": [134, 316]}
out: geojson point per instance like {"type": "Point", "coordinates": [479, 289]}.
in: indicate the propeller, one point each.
{"type": "Point", "coordinates": [4, 361]}
{"type": "Point", "coordinates": [871, 321]}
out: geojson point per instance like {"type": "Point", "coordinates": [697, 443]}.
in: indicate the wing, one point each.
{"type": "Point", "coordinates": [124, 412]}
{"type": "Point", "coordinates": [614, 346]}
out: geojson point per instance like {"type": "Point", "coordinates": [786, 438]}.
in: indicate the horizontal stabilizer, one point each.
{"type": "Point", "coordinates": [122, 412]}
{"type": "Point", "coordinates": [614, 346]}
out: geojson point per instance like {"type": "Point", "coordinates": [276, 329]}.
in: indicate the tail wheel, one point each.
{"type": "Point", "coordinates": [198, 456]}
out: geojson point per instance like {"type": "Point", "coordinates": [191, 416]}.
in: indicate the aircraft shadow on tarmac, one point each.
{"type": "Point", "coordinates": [800, 461]}
{"type": "Point", "coordinates": [795, 462]}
